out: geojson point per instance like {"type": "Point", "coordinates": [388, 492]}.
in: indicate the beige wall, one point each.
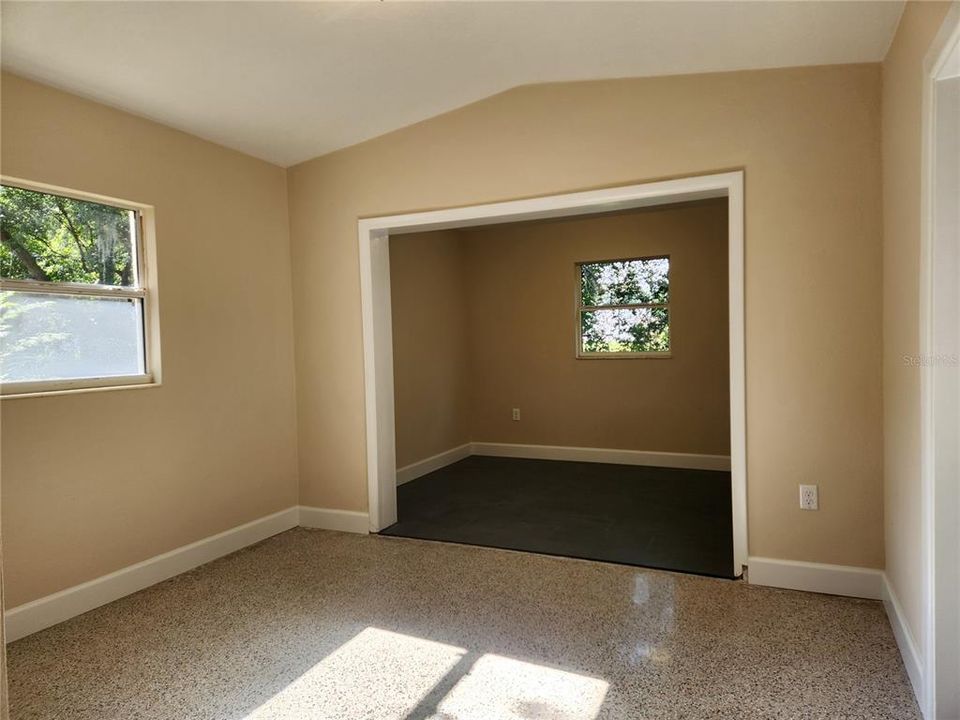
{"type": "Point", "coordinates": [137, 472]}
{"type": "Point", "coordinates": [97, 481]}
{"type": "Point", "coordinates": [430, 357]}
{"type": "Point", "coordinates": [809, 140]}
{"type": "Point", "coordinates": [522, 324]}
{"type": "Point", "coordinates": [484, 321]}
{"type": "Point", "coordinates": [902, 108]}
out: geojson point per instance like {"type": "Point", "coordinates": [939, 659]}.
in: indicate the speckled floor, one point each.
{"type": "Point", "coordinates": [314, 624]}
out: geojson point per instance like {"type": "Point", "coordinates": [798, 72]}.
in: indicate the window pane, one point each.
{"type": "Point", "coordinates": [59, 337]}
{"type": "Point", "coordinates": [625, 282]}
{"type": "Point", "coordinates": [625, 330]}
{"type": "Point", "coordinates": [58, 239]}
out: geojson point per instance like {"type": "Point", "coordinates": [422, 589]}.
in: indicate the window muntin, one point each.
{"type": "Point", "coordinates": [623, 308]}
{"type": "Point", "coordinates": [72, 300]}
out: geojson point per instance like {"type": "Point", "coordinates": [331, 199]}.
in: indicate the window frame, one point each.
{"type": "Point", "coordinates": [143, 291]}
{"type": "Point", "coordinates": [580, 308]}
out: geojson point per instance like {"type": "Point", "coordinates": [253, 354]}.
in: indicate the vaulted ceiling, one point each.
{"type": "Point", "coordinates": [287, 81]}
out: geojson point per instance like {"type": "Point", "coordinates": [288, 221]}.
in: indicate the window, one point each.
{"type": "Point", "coordinates": [72, 296]}
{"type": "Point", "coordinates": [623, 308]}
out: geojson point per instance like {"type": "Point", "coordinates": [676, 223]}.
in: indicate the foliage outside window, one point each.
{"type": "Point", "coordinates": [624, 308]}
{"type": "Point", "coordinates": [71, 295]}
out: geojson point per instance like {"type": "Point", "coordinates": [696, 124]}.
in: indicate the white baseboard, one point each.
{"type": "Point", "coordinates": [52, 609]}
{"type": "Point", "coordinates": [434, 462]}
{"type": "Point", "coordinates": [342, 520]}
{"type": "Point", "coordinates": [689, 461]}
{"type": "Point", "coordinates": [908, 646]}
{"type": "Point", "coordinates": [816, 577]}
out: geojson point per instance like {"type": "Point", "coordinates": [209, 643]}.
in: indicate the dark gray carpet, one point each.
{"type": "Point", "coordinates": [654, 517]}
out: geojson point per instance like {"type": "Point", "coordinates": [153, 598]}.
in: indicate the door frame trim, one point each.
{"type": "Point", "coordinates": [935, 532]}
{"type": "Point", "coordinates": [374, 234]}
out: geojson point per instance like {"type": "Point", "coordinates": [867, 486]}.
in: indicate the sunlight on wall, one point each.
{"type": "Point", "coordinates": [502, 688]}
{"type": "Point", "coordinates": [387, 675]}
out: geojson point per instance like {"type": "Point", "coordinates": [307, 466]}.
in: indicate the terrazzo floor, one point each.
{"type": "Point", "coordinates": [323, 625]}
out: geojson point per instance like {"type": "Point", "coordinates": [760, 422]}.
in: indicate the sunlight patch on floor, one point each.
{"type": "Point", "coordinates": [500, 688]}
{"type": "Point", "coordinates": [389, 676]}
{"type": "Point", "coordinates": [376, 674]}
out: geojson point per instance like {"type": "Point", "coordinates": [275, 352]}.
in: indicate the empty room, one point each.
{"type": "Point", "coordinates": [480, 360]}
{"type": "Point", "coordinates": [522, 350]}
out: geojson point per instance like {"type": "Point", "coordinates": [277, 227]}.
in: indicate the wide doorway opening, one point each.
{"type": "Point", "coordinates": [563, 375]}
{"type": "Point", "coordinates": [583, 364]}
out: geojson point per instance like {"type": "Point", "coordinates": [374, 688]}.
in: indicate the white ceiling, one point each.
{"type": "Point", "coordinates": [287, 81]}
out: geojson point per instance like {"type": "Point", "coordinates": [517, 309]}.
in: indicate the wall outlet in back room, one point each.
{"type": "Point", "coordinates": [516, 414]}
{"type": "Point", "coordinates": [809, 497]}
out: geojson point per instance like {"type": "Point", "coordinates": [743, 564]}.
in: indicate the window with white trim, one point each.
{"type": "Point", "coordinates": [72, 293]}
{"type": "Point", "coordinates": [623, 308]}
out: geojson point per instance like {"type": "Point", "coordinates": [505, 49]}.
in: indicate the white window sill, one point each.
{"type": "Point", "coordinates": [43, 388]}
{"type": "Point", "coordinates": [624, 356]}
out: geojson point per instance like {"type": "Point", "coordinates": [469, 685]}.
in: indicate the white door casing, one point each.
{"type": "Point", "coordinates": [374, 236]}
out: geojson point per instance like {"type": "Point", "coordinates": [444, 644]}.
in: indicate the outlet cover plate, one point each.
{"type": "Point", "coordinates": [809, 497]}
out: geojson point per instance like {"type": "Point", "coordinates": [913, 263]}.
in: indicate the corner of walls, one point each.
{"type": "Point", "coordinates": [60, 606]}
{"type": "Point", "coordinates": [909, 650]}
{"type": "Point", "coordinates": [901, 166]}
{"type": "Point", "coordinates": [293, 324]}
{"type": "Point", "coordinates": [431, 358]}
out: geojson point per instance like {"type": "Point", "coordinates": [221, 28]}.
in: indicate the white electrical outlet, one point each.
{"type": "Point", "coordinates": [516, 413]}
{"type": "Point", "coordinates": [809, 499]}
